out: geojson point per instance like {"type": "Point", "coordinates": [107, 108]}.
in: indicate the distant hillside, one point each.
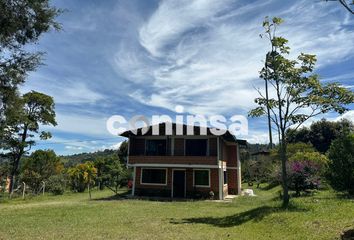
{"type": "Point", "coordinates": [74, 159]}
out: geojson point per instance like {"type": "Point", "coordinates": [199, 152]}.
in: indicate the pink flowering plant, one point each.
{"type": "Point", "coordinates": [304, 175]}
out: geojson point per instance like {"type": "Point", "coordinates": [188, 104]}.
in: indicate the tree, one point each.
{"type": "Point", "coordinates": [34, 109]}
{"type": "Point", "coordinates": [341, 165]}
{"type": "Point", "coordinates": [111, 173]}
{"type": "Point", "coordinates": [123, 152]}
{"type": "Point", "coordinates": [321, 133]}
{"type": "Point", "coordinates": [298, 94]}
{"type": "Point", "coordinates": [22, 22]}
{"type": "Point", "coordinates": [90, 175]}
{"type": "Point", "coordinates": [81, 176]}
{"type": "Point", "coordinates": [39, 167]}
{"type": "Point", "coordinates": [259, 169]}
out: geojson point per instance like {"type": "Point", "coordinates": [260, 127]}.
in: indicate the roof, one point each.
{"type": "Point", "coordinates": [227, 136]}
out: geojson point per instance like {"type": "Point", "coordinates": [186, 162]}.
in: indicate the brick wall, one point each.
{"type": "Point", "coordinates": [165, 190]}
{"type": "Point", "coordinates": [231, 156]}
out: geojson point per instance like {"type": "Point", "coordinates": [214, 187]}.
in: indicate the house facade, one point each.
{"type": "Point", "coordinates": [181, 165]}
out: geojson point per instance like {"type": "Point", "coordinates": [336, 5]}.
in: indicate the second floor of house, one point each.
{"type": "Point", "coordinates": [176, 148]}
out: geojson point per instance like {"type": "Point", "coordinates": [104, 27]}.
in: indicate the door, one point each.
{"type": "Point", "coordinates": [179, 183]}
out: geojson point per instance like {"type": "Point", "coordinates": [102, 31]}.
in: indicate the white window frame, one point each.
{"type": "Point", "coordinates": [202, 186]}
{"type": "Point", "coordinates": [156, 184]}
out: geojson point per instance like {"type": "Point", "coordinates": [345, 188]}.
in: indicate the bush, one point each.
{"type": "Point", "coordinates": [56, 184]}
{"type": "Point", "coordinates": [320, 160]}
{"type": "Point", "coordinates": [82, 176]}
{"type": "Point", "coordinates": [303, 175]}
{"type": "Point", "coordinates": [341, 164]}
{"type": "Point", "coordinates": [38, 168]}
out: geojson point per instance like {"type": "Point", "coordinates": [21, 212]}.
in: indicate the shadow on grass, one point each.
{"type": "Point", "coordinates": [255, 214]}
{"type": "Point", "coordinates": [127, 195]}
{"type": "Point", "coordinates": [269, 186]}
{"type": "Point", "coordinates": [119, 196]}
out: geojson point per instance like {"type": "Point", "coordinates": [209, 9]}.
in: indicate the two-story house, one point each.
{"type": "Point", "coordinates": [179, 165]}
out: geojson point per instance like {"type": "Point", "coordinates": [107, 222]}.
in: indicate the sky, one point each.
{"type": "Point", "coordinates": [145, 57]}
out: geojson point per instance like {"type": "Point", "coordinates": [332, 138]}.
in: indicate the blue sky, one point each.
{"type": "Point", "coordinates": [146, 56]}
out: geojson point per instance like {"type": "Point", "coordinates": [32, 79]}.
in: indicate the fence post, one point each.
{"type": "Point", "coordinates": [24, 190]}
{"type": "Point", "coordinates": [43, 187]}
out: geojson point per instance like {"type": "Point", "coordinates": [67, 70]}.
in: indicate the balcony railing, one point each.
{"type": "Point", "coordinates": [207, 160]}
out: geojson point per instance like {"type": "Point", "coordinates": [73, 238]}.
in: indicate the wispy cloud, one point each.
{"type": "Point", "coordinates": [206, 55]}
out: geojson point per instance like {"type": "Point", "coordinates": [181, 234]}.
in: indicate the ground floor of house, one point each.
{"type": "Point", "coordinates": [185, 182]}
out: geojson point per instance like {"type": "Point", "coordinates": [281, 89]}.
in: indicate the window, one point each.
{"type": "Point", "coordinates": [201, 178]}
{"type": "Point", "coordinates": [153, 176]}
{"type": "Point", "coordinates": [196, 147]}
{"type": "Point", "coordinates": [156, 147]}
{"type": "Point", "coordinates": [225, 177]}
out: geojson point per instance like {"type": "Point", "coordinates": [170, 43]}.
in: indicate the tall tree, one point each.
{"type": "Point", "coordinates": [22, 22]}
{"type": "Point", "coordinates": [321, 133]}
{"type": "Point", "coordinates": [34, 109]}
{"type": "Point", "coordinates": [297, 93]}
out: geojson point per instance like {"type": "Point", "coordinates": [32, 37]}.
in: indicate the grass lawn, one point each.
{"type": "Point", "coordinates": [73, 216]}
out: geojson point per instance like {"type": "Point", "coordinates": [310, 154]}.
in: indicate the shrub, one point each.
{"type": "Point", "coordinates": [303, 175]}
{"type": "Point", "coordinates": [341, 164]}
{"type": "Point", "coordinates": [39, 167]}
{"type": "Point", "coordinates": [56, 184]}
{"type": "Point", "coordinates": [82, 176]}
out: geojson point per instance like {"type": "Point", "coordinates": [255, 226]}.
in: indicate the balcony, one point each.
{"type": "Point", "coordinates": [190, 160]}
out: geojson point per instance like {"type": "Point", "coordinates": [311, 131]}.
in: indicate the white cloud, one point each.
{"type": "Point", "coordinates": [73, 148]}
{"type": "Point", "coordinates": [94, 126]}
{"type": "Point", "coordinates": [348, 115]}
{"type": "Point", "coordinates": [199, 55]}
{"type": "Point", "coordinates": [64, 91]}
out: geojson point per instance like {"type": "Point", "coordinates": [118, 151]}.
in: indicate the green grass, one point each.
{"type": "Point", "coordinates": [72, 216]}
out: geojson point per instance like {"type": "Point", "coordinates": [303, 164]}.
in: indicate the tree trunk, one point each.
{"type": "Point", "coordinates": [268, 115]}
{"type": "Point", "coordinates": [13, 174]}
{"type": "Point", "coordinates": [16, 162]}
{"type": "Point", "coordinates": [89, 190]}
{"type": "Point", "coordinates": [283, 158]}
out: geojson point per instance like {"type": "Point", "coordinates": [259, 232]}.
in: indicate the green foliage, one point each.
{"type": "Point", "coordinates": [22, 22]}
{"type": "Point", "coordinates": [56, 184]}
{"type": "Point", "coordinates": [314, 157]}
{"type": "Point", "coordinates": [39, 167]}
{"type": "Point", "coordinates": [341, 165]}
{"type": "Point", "coordinates": [321, 133]}
{"type": "Point", "coordinates": [292, 149]}
{"type": "Point", "coordinates": [123, 152]}
{"type": "Point", "coordinates": [259, 169]}
{"type": "Point", "coordinates": [82, 176]}
{"type": "Point", "coordinates": [73, 160]}
{"type": "Point", "coordinates": [111, 173]}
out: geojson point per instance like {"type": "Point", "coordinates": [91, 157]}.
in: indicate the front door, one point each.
{"type": "Point", "coordinates": [179, 183]}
